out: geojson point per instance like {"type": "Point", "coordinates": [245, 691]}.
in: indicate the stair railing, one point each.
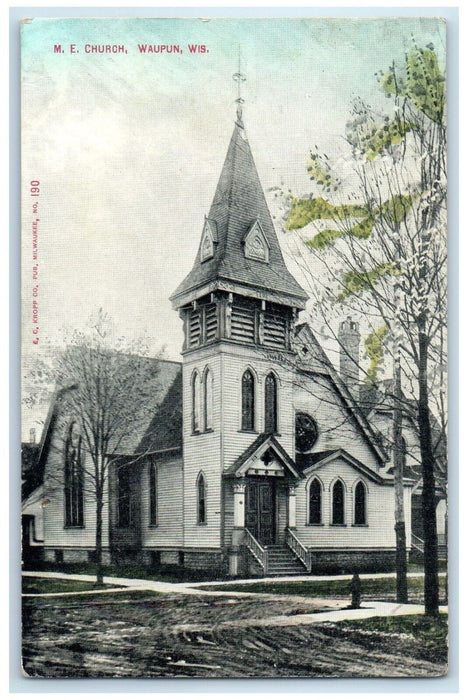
{"type": "Point", "coordinates": [255, 548]}
{"type": "Point", "coordinates": [417, 543]}
{"type": "Point", "coordinates": [299, 549]}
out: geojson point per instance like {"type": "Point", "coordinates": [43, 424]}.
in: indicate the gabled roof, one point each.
{"type": "Point", "coordinates": [265, 442]}
{"type": "Point", "coordinates": [310, 463]}
{"type": "Point", "coordinates": [165, 430]}
{"type": "Point", "coordinates": [166, 373]}
{"type": "Point", "coordinates": [317, 362]}
{"type": "Point", "coordinates": [158, 429]}
{"type": "Point", "coordinates": [238, 203]}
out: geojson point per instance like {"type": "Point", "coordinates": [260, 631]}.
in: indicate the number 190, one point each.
{"type": "Point", "coordinates": [34, 189]}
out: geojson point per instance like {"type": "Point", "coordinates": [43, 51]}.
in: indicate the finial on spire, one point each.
{"type": "Point", "coordinates": [240, 78]}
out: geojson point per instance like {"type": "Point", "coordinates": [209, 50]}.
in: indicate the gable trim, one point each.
{"type": "Point", "coordinates": [349, 403]}
{"type": "Point", "coordinates": [256, 451]}
{"type": "Point", "coordinates": [352, 461]}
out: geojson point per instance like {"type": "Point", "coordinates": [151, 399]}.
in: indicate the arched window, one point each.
{"type": "Point", "coordinates": [248, 401]}
{"type": "Point", "coordinates": [208, 400]}
{"type": "Point", "coordinates": [73, 479]}
{"type": "Point", "coordinates": [124, 494]}
{"type": "Point", "coordinates": [338, 515]}
{"type": "Point", "coordinates": [315, 503]}
{"type": "Point", "coordinates": [201, 500]}
{"type": "Point", "coordinates": [360, 504]}
{"type": "Point", "coordinates": [271, 404]}
{"type": "Point", "coordinates": [196, 399]}
{"type": "Point", "coordinates": [153, 494]}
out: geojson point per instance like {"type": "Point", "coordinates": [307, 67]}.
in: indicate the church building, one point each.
{"type": "Point", "coordinates": [258, 459]}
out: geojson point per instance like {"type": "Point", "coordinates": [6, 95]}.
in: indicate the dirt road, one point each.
{"type": "Point", "coordinates": [185, 636]}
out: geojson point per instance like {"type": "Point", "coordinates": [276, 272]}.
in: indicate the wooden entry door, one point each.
{"type": "Point", "coordinates": [260, 510]}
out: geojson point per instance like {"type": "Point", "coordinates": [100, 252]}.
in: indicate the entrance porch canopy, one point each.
{"type": "Point", "coordinates": [264, 457]}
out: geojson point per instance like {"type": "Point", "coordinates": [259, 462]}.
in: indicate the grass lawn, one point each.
{"type": "Point", "coordinates": [418, 567]}
{"type": "Point", "coordinates": [429, 633]}
{"type": "Point", "coordinates": [167, 572]}
{"type": "Point", "coordinates": [122, 596]}
{"type": "Point", "coordinates": [51, 585]}
{"type": "Point", "coordinates": [370, 588]}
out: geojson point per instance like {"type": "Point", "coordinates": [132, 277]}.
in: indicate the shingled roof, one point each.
{"type": "Point", "coordinates": [238, 203]}
{"type": "Point", "coordinates": [165, 430]}
{"type": "Point", "coordinates": [145, 437]}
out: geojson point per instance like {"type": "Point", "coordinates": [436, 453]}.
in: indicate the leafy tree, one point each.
{"type": "Point", "coordinates": [384, 256]}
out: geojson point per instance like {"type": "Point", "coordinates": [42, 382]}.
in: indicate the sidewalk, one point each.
{"type": "Point", "coordinates": [134, 584]}
{"type": "Point", "coordinates": [200, 588]}
{"type": "Point", "coordinates": [369, 609]}
{"type": "Point", "coordinates": [305, 577]}
{"type": "Point", "coordinates": [336, 612]}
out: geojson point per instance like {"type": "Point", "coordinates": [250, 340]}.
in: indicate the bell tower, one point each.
{"type": "Point", "coordinates": [238, 306]}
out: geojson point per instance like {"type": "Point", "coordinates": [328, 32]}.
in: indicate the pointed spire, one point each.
{"type": "Point", "coordinates": [238, 207]}
{"type": "Point", "coordinates": [240, 78]}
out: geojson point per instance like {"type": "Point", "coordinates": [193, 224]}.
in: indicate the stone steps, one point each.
{"type": "Point", "coordinates": [282, 562]}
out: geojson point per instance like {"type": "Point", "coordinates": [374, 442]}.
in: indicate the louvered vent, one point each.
{"type": "Point", "coordinates": [243, 323]}
{"type": "Point", "coordinates": [211, 322]}
{"type": "Point", "coordinates": [194, 328]}
{"type": "Point", "coordinates": [275, 331]}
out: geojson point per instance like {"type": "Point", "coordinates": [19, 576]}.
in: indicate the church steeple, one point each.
{"type": "Point", "coordinates": [238, 225]}
{"type": "Point", "coordinates": [238, 305]}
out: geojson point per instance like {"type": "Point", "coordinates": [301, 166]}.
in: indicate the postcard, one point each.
{"type": "Point", "coordinates": [234, 339]}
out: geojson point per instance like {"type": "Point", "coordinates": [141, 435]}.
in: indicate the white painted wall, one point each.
{"type": "Point", "coordinates": [379, 529]}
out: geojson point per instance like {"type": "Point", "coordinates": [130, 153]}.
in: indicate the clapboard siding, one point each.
{"type": "Point", "coordinates": [212, 452]}
{"type": "Point", "coordinates": [317, 396]}
{"type": "Point", "coordinates": [168, 529]}
{"type": "Point", "coordinates": [201, 453]}
{"type": "Point", "coordinates": [234, 364]}
{"type": "Point", "coordinates": [382, 420]}
{"type": "Point", "coordinates": [56, 535]}
{"type": "Point", "coordinates": [380, 502]}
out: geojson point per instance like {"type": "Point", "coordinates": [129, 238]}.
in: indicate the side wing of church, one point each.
{"type": "Point", "coordinates": [258, 458]}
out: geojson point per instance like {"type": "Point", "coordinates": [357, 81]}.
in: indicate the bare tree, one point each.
{"type": "Point", "coordinates": [107, 394]}
{"type": "Point", "coordinates": [385, 259]}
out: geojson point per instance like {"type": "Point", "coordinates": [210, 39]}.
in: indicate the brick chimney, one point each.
{"type": "Point", "coordinates": [349, 339]}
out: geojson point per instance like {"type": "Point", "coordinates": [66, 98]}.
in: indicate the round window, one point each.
{"type": "Point", "coordinates": [306, 432]}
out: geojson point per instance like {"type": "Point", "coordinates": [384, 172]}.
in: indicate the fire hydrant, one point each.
{"type": "Point", "coordinates": [355, 589]}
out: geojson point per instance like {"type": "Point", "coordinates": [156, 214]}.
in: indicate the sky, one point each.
{"type": "Point", "coordinates": [128, 147]}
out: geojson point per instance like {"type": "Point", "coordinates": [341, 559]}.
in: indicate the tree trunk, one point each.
{"type": "Point", "coordinates": [398, 467]}
{"type": "Point", "coordinates": [431, 577]}
{"type": "Point", "coordinates": [98, 551]}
